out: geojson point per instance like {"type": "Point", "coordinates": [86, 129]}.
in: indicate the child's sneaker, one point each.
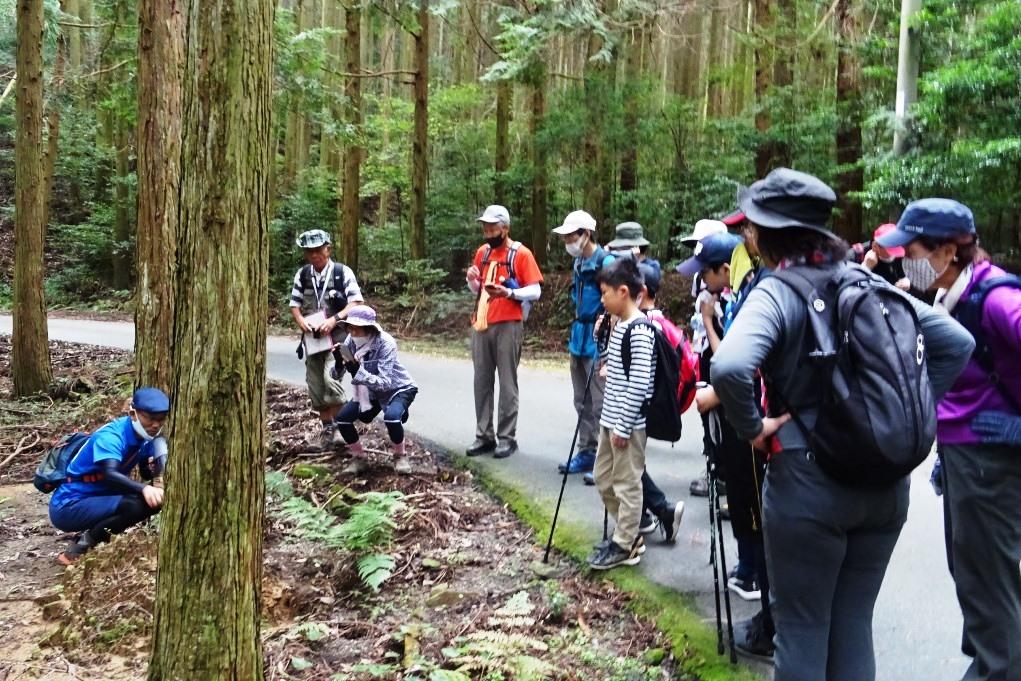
{"type": "Point", "coordinates": [747, 589]}
{"type": "Point", "coordinates": [615, 555]}
{"type": "Point", "coordinates": [670, 521]}
{"type": "Point", "coordinates": [649, 523]}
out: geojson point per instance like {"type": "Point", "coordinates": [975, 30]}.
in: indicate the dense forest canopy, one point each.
{"type": "Point", "coordinates": [652, 110]}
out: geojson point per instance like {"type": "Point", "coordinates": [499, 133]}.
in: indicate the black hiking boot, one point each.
{"type": "Point", "coordinates": [649, 523]}
{"type": "Point", "coordinates": [78, 549]}
{"type": "Point", "coordinates": [756, 638]}
{"type": "Point", "coordinates": [480, 447]}
{"type": "Point", "coordinates": [505, 449]}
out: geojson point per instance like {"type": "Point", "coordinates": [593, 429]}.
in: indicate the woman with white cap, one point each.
{"type": "Point", "coordinates": [381, 384]}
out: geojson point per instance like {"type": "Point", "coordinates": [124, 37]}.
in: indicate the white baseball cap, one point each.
{"type": "Point", "coordinates": [495, 213]}
{"type": "Point", "coordinates": [576, 220]}
{"type": "Point", "coordinates": [703, 228]}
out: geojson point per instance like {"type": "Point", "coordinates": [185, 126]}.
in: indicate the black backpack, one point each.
{"type": "Point", "coordinates": [662, 416]}
{"type": "Point", "coordinates": [877, 413]}
{"type": "Point", "coordinates": [969, 312]}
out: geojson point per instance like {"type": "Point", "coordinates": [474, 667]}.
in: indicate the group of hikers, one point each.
{"type": "Point", "coordinates": [826, 369]}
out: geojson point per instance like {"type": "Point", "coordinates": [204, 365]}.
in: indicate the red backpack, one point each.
{"type": "Point", "coordinates": [688, 359]}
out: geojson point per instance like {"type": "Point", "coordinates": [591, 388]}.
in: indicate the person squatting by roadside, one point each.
{"type": "Point", "coordinates": [327, 287]}
{"type": "Point", "coordinates": [827, 543]}
{"type": "Point", "coordinates": [978, 427]}
{"type": "Point", "coordinates": [99, 499]}
{"type": "Point", "coordinates": [578, 234]}
{"type": "Point", "coordinates": [504, 277]}
{"type": "Point", "coordinates": [380, 384]}
{"type": "Point", "coordinates": [620, 459]}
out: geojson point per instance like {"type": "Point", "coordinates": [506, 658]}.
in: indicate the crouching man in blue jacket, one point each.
{"type": "Point", "coordinates": [99, 498]}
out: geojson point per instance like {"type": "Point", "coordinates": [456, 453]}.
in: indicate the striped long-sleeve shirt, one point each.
{"type": "Point", "coordinates": [625, 394]}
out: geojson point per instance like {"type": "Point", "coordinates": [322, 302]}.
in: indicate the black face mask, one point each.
{"type": "Point", "coordinates": [496, 241]}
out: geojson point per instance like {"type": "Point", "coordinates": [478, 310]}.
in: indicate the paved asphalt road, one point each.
{"type": "Point", "coordinates": [917, 619]}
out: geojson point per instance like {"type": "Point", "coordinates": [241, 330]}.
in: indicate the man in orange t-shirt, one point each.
{"type": "Point", "coordinates": [505, 280]}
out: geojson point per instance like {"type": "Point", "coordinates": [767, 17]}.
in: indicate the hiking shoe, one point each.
{"type": "Point", "coordinates": [327, 437]}
{"type": "Point", "coordinates": [747, 589]}
{"type": "Point", "coordinates": [402, 466]}
{"type": "Point", "coordinates": [582, 462]}
{"type": "Point", "coordinates": [355, 467]}
{"type": "Point", "coordinates": [670, 521]}
{"type": "Point", "coordinates": [649, 523]}
{"type": "Point", "coordinates": [505, 449]}
{"type": "Point", "coordinates": [755, 638]}
{"type": "Point", "coordinates": [597, 549]}
{"type": "Point", "coordinates": [480, 447]}
{"type": "Point", "coordinates": [699, 487]}
{"type": "Point", "coordinates": [589, 479]}
{"type": "Point", "coordinates": [615, 555]}
{"type": "Point", "coordinates": [76, 550]}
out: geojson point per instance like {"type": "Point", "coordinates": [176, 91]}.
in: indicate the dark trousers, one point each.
{"type": "Point", "coordinates": [983, 493]}
{"type": "Point", "coordinates": [395, 415]}
{"type": "Point", "coordinates": [653, 499]}
{"type": "Point", "coordinates": [827, 548]}
{"type": "Point", "coordinates": [102, 516]}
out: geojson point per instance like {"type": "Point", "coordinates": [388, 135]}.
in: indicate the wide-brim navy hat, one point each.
{"type": "Point", "coordinates": [150, 400]}
{"type": "Point", "coordinates": [788, 198]}
{"type": "Point", "coordinates": [712, 250]}
{"type": "Point", "coordinates": [938, 219]}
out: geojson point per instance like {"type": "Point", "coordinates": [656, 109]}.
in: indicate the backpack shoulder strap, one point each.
{"type": "Point", "coordinates": [340, 278]}
{"type": "Point", "coordinates": [970, 311]}
{"type": "Point", "coordinates": [305, 277]}
{"type": "Point", "coordinates": [512, 253]}
{"type": "Point", "coordinates": [625, 342]}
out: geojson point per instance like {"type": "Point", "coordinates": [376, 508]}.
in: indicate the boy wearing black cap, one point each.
{"type": "Point", "coordinates": [99, 498]}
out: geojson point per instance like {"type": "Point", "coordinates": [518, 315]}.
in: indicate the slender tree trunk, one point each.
{"type": "Point", "coordinates": [160, 75]}
{"type": "Point", "coordinates": [388, 59]}
{"type": "Point", "coordinates": [766, 150]}
{"type": "Point", "coordinates": [593, 152]}
{"type": "Point", "coordinates": [850, 176]}
{"type": "Point", "coordinates": [350, 214]}
{"type": "Point", "coordinates": [30, 365]}
{"type": "Point", "coordinates": [712, 97]}
{"type": "Point", "coordinates": [210, 559]}
{"type": "Point", "coordinates": [53, 120]}
{"type": "Point", "coordinates": [122, 264]}
{"type": "Point", "coordinates": [419, 146]}
{"type": "Point", "coordinates": [629, 151]}
{"type": "Point", "coordinates": [74, 35]}
{"type": "Point", "coordinates": [502, 159]}
{"type": "Point", "coordinates": [907, 73]}
{"type": "Point", "coordinates": [295, 127]}
{"type": "Point", "coordinates": [540, 225]}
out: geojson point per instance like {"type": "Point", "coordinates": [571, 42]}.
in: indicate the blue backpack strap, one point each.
{"type": "Point", "coordinates": [971, 310]}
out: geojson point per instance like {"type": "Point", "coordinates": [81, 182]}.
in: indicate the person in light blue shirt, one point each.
{"type": "Point", "coordinates": [99, 498]}
{"type": "Point", "coordinates": [578, 234]}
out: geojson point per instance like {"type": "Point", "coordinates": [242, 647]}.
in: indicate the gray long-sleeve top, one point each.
{"type": "Point", "coordinates": [767, 334]}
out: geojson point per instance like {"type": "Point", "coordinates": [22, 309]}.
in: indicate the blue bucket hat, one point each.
{"type": "Point", "coordinates": [151, 400]}
{"type": "Point", "coordinates": [714, 249]}
{"type": "Point", "coordinates": [939, 219]}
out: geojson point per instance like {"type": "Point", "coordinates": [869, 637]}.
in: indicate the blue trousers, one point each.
{"type": "Point", "coordinates": [395, 414]}
{"type": "Point", "coordinates": [101, 515]}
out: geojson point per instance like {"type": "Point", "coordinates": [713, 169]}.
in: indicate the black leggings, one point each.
{"type": "Point", "coordinates": [131, 510]}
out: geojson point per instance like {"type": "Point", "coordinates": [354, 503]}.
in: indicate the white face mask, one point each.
{"type": "Point", "coordinates": [921, 273]}
{"type": "Point", "coordinates": [139, 430]}
{"type": "Point", "coordinates": [575, 248]}
{"type": "Point", "coordinates": [360, 341]}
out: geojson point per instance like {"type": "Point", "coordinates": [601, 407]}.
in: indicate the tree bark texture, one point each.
{"type": "Point", "coordinates": [210, 558]}
{"type": "Point", "coordinates": [122, 208]}
{"type": "Point", "coordinates": [629, 152]}
{"type": "Point", "coordinates": [420, 142]}
{"type": "Point", "coordinates": [540, 226]}
{"type": "Point", "coordinates": [30, 366]}
{"type": "Point", "coordinates": [502, 157]}
{"type": "Point", "coordinates": [160, 73]}
{"type": "Point", "coordinates": [849, 115]}
{"type": "Point", "coordinates": [350, 213]}
{"type": "Point", "coordinates": [594, 156]}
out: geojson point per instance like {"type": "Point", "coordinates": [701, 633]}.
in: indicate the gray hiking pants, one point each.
{"type": "Point", "coordinates": [983, 492]}
{"type": "Point", "coordinates": [497, 351]}
{"type": "Point", "coordinates": [827, 548]}
{"type": "Point", "coordinates": [589, 406]}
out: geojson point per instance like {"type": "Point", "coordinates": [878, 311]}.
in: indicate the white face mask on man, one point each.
{"type": "Point", "coordinates": [136, 425]}
{"type": "Point", "coordinates": [576, 247]}
{"type": "Point", "coordinates": [921, 273]}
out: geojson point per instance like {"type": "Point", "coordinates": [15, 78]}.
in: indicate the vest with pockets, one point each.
{"type": "Point", "coordinates": [334, 297]}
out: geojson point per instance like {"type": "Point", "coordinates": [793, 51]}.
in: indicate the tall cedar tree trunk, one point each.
{"type": "Point", "coordinates": [53, 119]}
{"type": "Point", "coordinates": [122, 210]}
{"type": "Point", "coordinates": [296, 127]}
{"type": "Point", "coordinates": [160, 74]}
{"type": "Point", "coordinates": [764, 160]}
{"type": "Point", "coordinates": [350, 214]}
{"type": "Point", "coordinates": [593, 154]}
{"type": "Point", "coordinates": [502, 158]}
{"type": "Point", "coordinates": [539, 180]}
{"type": "Point", "coordinates": [849, 113]}
{"type": "Point", "coordinates": [210, 558]}
{"type": "Point", "coordinates": [388, 52]}
{"type": "Point", "coordinates": [30, 366]}
{"type": "Point", "coordinates": [419, 145]}
{"type": "Point", "coordinates": [629, 151]}
{"type": "Point", "coordinates": [908, 57]}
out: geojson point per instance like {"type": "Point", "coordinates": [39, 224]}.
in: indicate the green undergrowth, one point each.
{"type": "Point", "coordinates": [694, 643]}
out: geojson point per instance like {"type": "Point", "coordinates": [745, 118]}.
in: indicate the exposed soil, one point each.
{"type": "Point", "coordinates": [465, 591]}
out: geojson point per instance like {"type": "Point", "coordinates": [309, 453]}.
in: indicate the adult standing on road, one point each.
{"type": "Point", "coordinates": [504, 277]}
{"type": "Point", "coordinates": [828, 544]}
{"type": "Point", "coordinates": [578, 234]}
{"type": "Point", "coordinates": [978, 427]}
{"type": "Point", "coordinates": [629, 237]}
{"type": "Point", "coordinates": [327, 288]}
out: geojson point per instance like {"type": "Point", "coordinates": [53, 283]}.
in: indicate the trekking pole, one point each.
{"type": "Point", "coordinates": [567, 467]}
{"type": "Point", "coordinates": [710, 475]}
{"type": "Point", "coordinates": [714, 418]}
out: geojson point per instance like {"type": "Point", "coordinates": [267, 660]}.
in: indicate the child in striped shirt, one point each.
{"type": "Point", "coordinates": [620, 459]}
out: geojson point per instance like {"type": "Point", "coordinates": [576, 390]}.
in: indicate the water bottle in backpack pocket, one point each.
{"type": "Point", "coordinates": [51, 472]}
{"type": "Point", "coordinates": [877, 413]}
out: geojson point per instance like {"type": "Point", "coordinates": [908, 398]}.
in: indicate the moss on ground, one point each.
{"type": "Point", "coordinates": [694, 643]}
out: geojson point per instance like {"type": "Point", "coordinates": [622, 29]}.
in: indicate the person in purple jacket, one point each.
{"type": "Point", "coordinates": [979, 427]}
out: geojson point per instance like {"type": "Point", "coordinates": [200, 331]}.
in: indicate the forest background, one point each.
{"type": "Point", "coordinates": [647, 110]}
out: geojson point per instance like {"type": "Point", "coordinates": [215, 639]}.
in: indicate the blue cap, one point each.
{"type": "Point", "coordinates": [714, 249]}
{"type": "Point", "coordinates": [152, 400]}
{"type": "Point", "coordinates": [939, 219]}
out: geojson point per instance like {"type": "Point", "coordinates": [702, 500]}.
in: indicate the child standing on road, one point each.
{"type": "Point", "coordinates": [620, 459]}
{"type": "Point", "coordinates": [381, 384]}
